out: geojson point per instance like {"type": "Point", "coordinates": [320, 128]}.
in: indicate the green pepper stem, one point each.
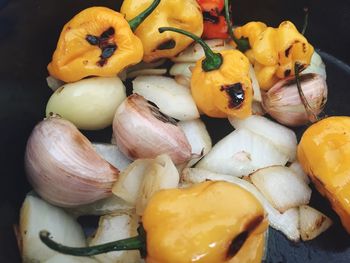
{"type": "Point", "coordinates": [243, 43]}
{"type": "Point", "coordinates": [306, 20]}
{"type": "Point", "coordinates": [136, 21]}
{"type": "Point", "coordinates": [132, 243]}
{"type": "Point", "coordinates": [309, 111]}
{"type": "Point", "coordinates": [212, 60]}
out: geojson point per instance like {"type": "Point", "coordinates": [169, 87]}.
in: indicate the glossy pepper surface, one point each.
{"type": "Point", "coordinates": [220, 82]}
{"type": "Point", "coordinates": [184, 14]}
{"type": "Point", "coordinates": [206, 223]}
{"type": "Point", "coordinates": [324, 153]}
{"type": "Point", "coordinates": [215, 25]}
{"type": "Point", "coordinates": [96, 42]}
{"type": "Point", "coordinates": [275, 51]}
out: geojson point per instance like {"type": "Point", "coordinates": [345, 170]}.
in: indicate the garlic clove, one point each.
{"type": "Point", "coordinates": [142, 131]}
{"type": "Point", "coordinates": [316, 66]}
{"type": "Point", "coordinates": [90, 103]}
{"type": "Point", "coordinates": [63, 167]}
{"type": "Point", "coordinates": [283, 102]}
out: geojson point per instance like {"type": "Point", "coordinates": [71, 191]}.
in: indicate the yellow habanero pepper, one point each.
{"type": "Point", "coordinates": [184, 14]}
{"type": "Point", "coordinates": [212, 222]}
{"type": "Point", "coordinates": [220, 82]}
{"type": "Point", "coordinates": [97, 42]}
{"type": "Point", "coordinates": [324, 153]}
{"type": "Point", "coordinates": [275, 51]}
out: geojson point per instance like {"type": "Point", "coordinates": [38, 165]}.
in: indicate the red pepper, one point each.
{"type": "Point", "coordinates": [214, 22]}
{"type": "Point", "coordinates": [215, 30]}
{"type": "Point", "coordinates": [211, 5]}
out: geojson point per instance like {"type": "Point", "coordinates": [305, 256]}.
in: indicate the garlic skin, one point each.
{"type": "Point", "coordinates": [63, 167]}
{"type": "Point", "coordinates": [142, 131]}
{"type": "Point", "coordinates": [283, 102]}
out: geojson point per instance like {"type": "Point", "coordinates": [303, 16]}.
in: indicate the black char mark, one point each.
{"type": "Point", "coordinates": [287, 51]}
{"type": "Point", "coordinates": [236, 94]}
{"type": "Point", "coordinates": [287, 73]}
{"type": "Point", "coordinates": [208, 16]}
{"type": "Point", "coordinates": [240, 239]}
{"type": "Point", "coordinates": [160, 115]}
{"type": "Point", "coordinates": [303, 78]}
{"type": "Point", "coordinates": [105, 43]}
{"type": "Point", "coordinates": [169, 44]}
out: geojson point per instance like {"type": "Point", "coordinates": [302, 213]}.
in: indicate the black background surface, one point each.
{"type": "Point", "coordinates": [29, 30]}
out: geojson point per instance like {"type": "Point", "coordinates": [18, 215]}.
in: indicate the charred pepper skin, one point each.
{"type": "Point", "coordinates": [197, 225]}
{"type": "Point", "coordinates": [213, 91]}
{"type": "Point", "coordinates": [324, 153]}
{"type": "Point", "coordinates": [205, 223]}
{"type": "Point", "coordinates": [215, 25]}
{"type": "Point", "coordinates": [184, 14]}
{"type": "Point", "coordinates": [85, 47]}
{"type": "Point", "coordinates": [220, 82]}
{"type": "Point", "coordinates": [275, 51]}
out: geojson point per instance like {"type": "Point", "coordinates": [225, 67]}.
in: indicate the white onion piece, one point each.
{"type": "Point", "coordinates": [184, 81]}
{"type": "Point", "coordinates": [143, 65]}
{"type": "Point", "coordinates": [128, 185]}
{"type": "Point", "coordinates": [256, 87]}
{"type": "Point", "coordinates": [105, 206]}
{"type": "Point", "coordinates": [198, 137]}
{"type": "Point", "coordinates": [316, 66]}
{"type": "Point", "coordinates": [111, 154]}
{"type": "Point", "coordinates": [282, 222]}
{"type": "Point", "coordinates": [90, 103]}
{"type": "Point", "coordinates": [257, 108]}
{"type": "Point", "coordinates": [241, 153]}
{"type": "Point", "coordinates": [147, 72]}
{"type": "Point", "coordinates": [160, 174]}
{"type": "Point", "coordinates": [183, 69]}
{"type": "Point", "coordinates": [116, 227]}
{"type": "Point", "coordinates": [195, 51]}
{"type": "Point", "coordinates": [182, 73]}
{"type": "Point", "coordinates": [64, 168]}
{"type": "Point", "coordinates": [281, 187]}
{"type": "Point", "coordinates": [290, 219]}
{"type": "Point", "coordinates": [172, 99]}
{"type": "Point", "coordinates": [60, 258]}
{"type": "Point", "coordinates": [142, 131]}
{"type": "Point", "coordinates": [54, 83]}
{"type": "Point", "coordinates": [281, 137]}
{"type": "Point", "coordinates": [298, 170]}
{"type": "Point", "coordinates": [312, 222]}
{"type": "Point", "coordinates": [37, 215]}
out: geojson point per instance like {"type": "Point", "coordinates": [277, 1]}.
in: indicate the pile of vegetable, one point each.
{"type": "Point", "coordinates": [159, 185]}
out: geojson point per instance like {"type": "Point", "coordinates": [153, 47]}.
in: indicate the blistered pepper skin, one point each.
{"type": "Point", "coordinates": [211, 89]}
{"type": "Point", "coordinates": [274, 51]}
{"type": "Point", "coordinates": [324, 153]}
{"type": "Point", "coordinates": [202, 224]}
{"type": "Point", "coordinates": [183, 14]}
{"type": "Point", "coordinates": [96, 42]}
